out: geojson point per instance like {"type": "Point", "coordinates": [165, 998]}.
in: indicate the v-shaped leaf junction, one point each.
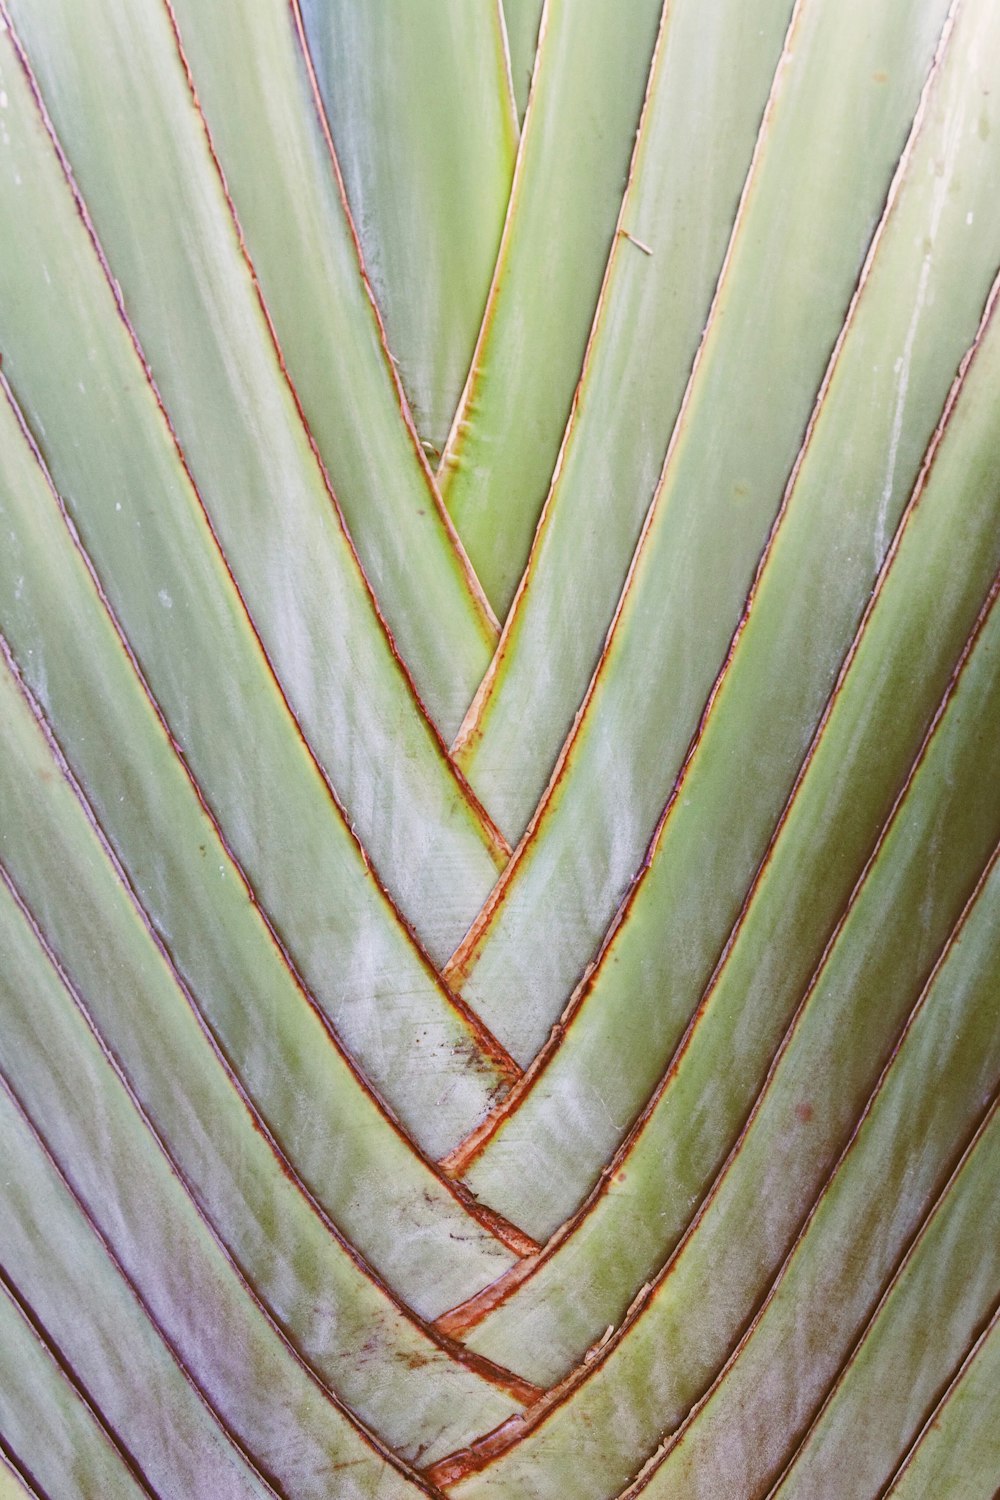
{"type": "Point", "coordinates": [500, 775]}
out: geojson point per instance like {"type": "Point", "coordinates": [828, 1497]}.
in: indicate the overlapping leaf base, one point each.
{"type": "Point", "coordinates": [500, 768]}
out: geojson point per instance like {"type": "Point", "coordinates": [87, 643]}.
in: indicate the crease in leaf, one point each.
{"type": "Point", "coordinates": [78, 1442]}
{"type": "Point", "coordinates": [426, 136]}
{"type": "Point", "coordinates": [222, 708]}
{"type": "Point", "coordinates": [875, 1215]}
{"type": "Point", "coordinates": [522, 23]}
{"type": "Point", "coordinates": [964, 1204]}
{"type": "Point", "coordinates": [887, 383]}
{"type": "Point", "coordinates": [236, 425]}
{"type": "Point", "coordinates": [697, 559]}
{"type": "Point", "coordinates": [844, 799]}
{"type": "Point", "coordinates": [239, 1008]}
{"type": "Point", "coordinates": [45, 1210]}
{"type": "Point", "coordinates": [710, 78]}
{"type": "Point", "coordinates": [726, 1226]}
{"type": "Point", "coordinates": [285, 190]}
{"type": "Point", "coordinates": [959, 1444]}
{"type": "Point", "coordinates": [93, 697]}
{"type": "Point", "coordinates": [368, 1357]}
{"type": "Point", "coordinates": [586, 97]}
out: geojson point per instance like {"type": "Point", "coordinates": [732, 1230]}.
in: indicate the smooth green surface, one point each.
{"type": "Point", "coordinates": [924, 1111]}
{"type": "Point", "coordinates": [572, 166]}
{"type": "Point", "coordinates": [172, 247]}
{"type": "Point", "coordinates": [425, 133]}
{"type": "Point", "coordinates": [74, 1455]}
{"type": "Point", "coordinates": [709, 85]}
{"type": "Point", "coordinates": [191, 891]}
{"type": "Point", "coordinates": [522, 19]}
{"type": "Point", "coordinates": [255, 90]}
{"type": "Point", "coordinates": [915, 319]}
{"type": "Point", "coordinates": [836, 130]}
{"type": "Point", "coordinates": [152, 551]}
{"type": "Point", "coordinates": [958, 1452]}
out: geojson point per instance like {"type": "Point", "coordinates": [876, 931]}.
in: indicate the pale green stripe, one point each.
{"type": "Point", "coordinates": [362, 1346]}
{"type": "Point", "coordinates": [48, 1426]}
{"type": "Point", "coordinates": [737, 1442]}
{"type": "Point", "coordinates": [925, 1110]}
{"type": "Point", "coordinates": [11, 1485]}
{"type": "Point", "coordinates": [142, 526]}
{"type": "Point", "coordinates": [837, 130]}
{"type": "Point", "coordinates": [912, 896]}
{"type": "Point", "coordinates": [419, 106]}
{"type": "Point", "coordinates": [578, 135]}
{"type": "Point", "coordinates": [916, 317]}
{"type": "Point", "coordinates": [261, 1392]}
{"type": "Point", "coordinates": [929, 1318]}
{"type": "Point", "coordinates": [64, 1273]}
{"type": "Point", "coordinates": [252, 83]}
{"type": "Point", "coordinates": [709, 86]}
{"type": "Point", "coordinates": [959, 1454]}
{"type": "Point", "coordinates": [522, 18]}
{"type": "Point", "coordinates": [194, 896]}
{"type": "Point", "coordinates": [159, 209]}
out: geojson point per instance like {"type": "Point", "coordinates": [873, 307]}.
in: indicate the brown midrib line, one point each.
{"type": "Point", "coordinates": [16, 1466]}
{"type": "Point", "coordinates": [850, 1360]}
{"type": "Point", "coordinates": [487, 1369]}
{"type": "Point", "coordinates": [492, 835]}
{"type": "Point", "coordinates": [941, 1405]}
{"type": "Point", "coordinates": [903, 1260]}
{"type": "Point", "coordinates": [509, 1434]}
{"type": "Point", "coordinates": [582, 1372]}
{"type": "Point", "coordinates": [157, 1326]}
{"type": "Point", "coordinates": [463, 960]}
{"type": "Point", "coordinates": [471, 726]}
{"type": "Point", "coordinates": [483, 1037]}
{"type": "Point", "coordinates": [370, 1437]}
{"type": "Point", "coordinates": [508, 70]}
{"type": "Point", "coordinates": [466, 1315]}
{"type": "Point", "coordinates": [66, 1372]}
{"type": "Point", "coordinates": [629, 895]}
{"type": "Point", "coordinates": [904, 1031]}
{"type": "Point", "coordinates": [461, 1156]}
{"type": "Point", "coordinates": [961, 1155]}
{"type": "Point", "coordinates": [477, 594]}
{"type": "Point", "coordinates": [493, 1222]}
{"type": "Point", "coordinates": [453, 440]}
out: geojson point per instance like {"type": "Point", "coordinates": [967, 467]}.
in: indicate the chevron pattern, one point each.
{"type": "Point", "coordinates": [499, 797]}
